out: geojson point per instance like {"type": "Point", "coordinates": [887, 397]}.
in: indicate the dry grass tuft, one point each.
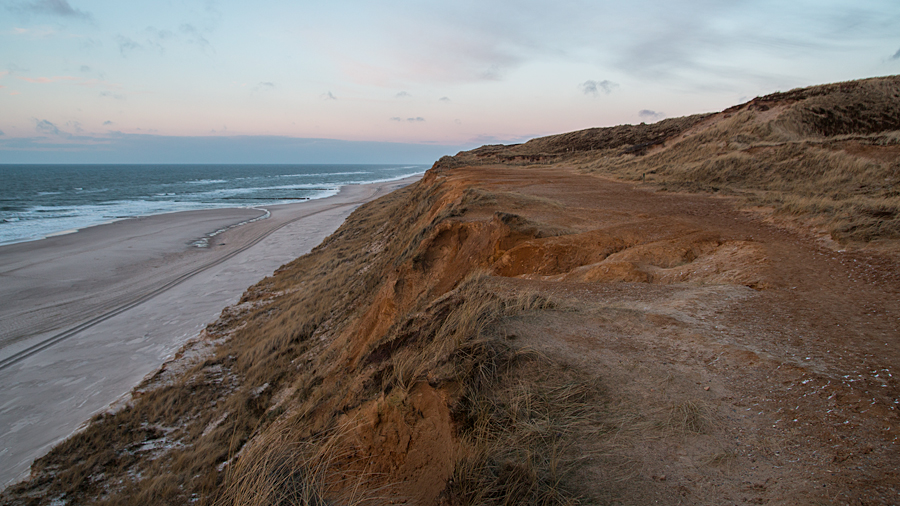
{"type": "Point", "coordinates": [687, 417]}
{"type": "Point", "coordinates": [521, 431]}
{"type": "Point", "coordinates": [279, 469]}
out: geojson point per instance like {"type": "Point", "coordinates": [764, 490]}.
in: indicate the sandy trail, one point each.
{"type": "Point", "coordinates": [110, 303]}
{"type": "Point", "coordinates": [794, 380]}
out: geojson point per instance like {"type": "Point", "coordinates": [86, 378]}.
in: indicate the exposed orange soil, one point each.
{"type": "Point", "coordinates": [740, 362]}
{"type": "Point", "coordinates": [782, 347]}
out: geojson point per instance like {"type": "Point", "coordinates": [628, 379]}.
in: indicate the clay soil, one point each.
{"type": "Point", "coordinates": [740, 361]}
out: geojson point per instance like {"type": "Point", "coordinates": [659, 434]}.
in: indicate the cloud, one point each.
{"type": "Point", "coordinates": [126, 45]}
{"type": "Point", "coordinates": [896, 55]}
{"type": "Point", "coordinates": [107, 122]}
{"type": "Point", "coordinates": [35, 33]}
{"type": "Point", "coordinates": [45, 80]}
{"type": "Point", "coordinates": [53, 8]}
{"type": "Point", "coordinates": [160, 34]}
{"type": "Point", "coordinates": [708, 45]}
{"type": "Point", "coordinates": [75, 125]}
{"type": "Point", "coordinates": [157, 38]}
{"type": "Point", "coordinates": [186, 33]}
{"type": "Point", "coordinates": [80, 81]}
{"type": "Point", "coordinates": [417, 119]}
{"type": "Point", "coordinates": [685, 43]}
{"type": "Point", "coordinates": [458, 42]}
{"type": "Point", "coordinates": [444, 99]}
{"type": "Point", "coordinates": [649, 115]}
{"type": "Point", "coordinates": [483, 139]}
{"type": "Point", "coordinates": [193, 35]}
{"type": "Point", "coordinates": [493, 73]}
{"type": "Point", "coordinates": [45, 127]}
{"type": "Point", "coordinates": [85, 68]}
{"type": "Point", "coordinates": [328, 96]}
{"type": "Point", "coordinates": [403, 94]}
{"type": "Point", "coordinates": [109, 94]}
{"type": "Point", "coordinates": [263, 86]}
{"type": "Point", "coordinates": [1, 132]}
{"type": "Point", "coordinates": [591, 87]}
{"type": "Point", "coordinates": [13, 68]}
{"type": "Point", "coordinates": [396, 118]}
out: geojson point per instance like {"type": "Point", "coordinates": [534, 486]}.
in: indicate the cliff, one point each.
{"type": "Point", "coordinates": [573, 319]}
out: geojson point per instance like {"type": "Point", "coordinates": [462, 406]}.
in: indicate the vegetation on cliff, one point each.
{"type": "Point", "coordinates": [829, 152]}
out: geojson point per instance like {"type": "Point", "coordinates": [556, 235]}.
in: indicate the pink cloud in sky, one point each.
{"type": "Point", "coordinates": [34, 33]}
{"type": "Point", "coordinates": [44, 80]}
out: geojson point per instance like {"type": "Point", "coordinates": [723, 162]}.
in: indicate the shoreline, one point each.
{"type": "Point", "coordinates": [131, 293]}
{"type": "Point", "coordinates": [304, 200]}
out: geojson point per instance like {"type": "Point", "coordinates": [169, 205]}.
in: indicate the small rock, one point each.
{"type": "Point", "coordinates": [706, 388]}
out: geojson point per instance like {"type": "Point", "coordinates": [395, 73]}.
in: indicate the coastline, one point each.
{"type": "Point", "coordinates": [51, 200]}
{"type": "Point", "coordinates": [333, 190]}
{"type": "Point", "coordinates": [129, 294]}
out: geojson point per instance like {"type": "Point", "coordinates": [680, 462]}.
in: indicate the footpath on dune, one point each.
{"type": "Point", "coordinates": [517, 328]}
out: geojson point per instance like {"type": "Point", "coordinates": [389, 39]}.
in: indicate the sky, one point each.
{"type": "Point", "coordinates": [401, 81]}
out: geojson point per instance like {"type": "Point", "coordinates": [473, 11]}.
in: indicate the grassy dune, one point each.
{"type": "Point", "coordinates": [830, 153]}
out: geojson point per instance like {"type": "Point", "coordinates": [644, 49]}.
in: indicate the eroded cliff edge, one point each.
{"type": "Point", "coordinates": [515, 329]}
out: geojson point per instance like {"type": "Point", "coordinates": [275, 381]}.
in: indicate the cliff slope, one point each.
{"type": "Point", "coordinates": [543, 324]}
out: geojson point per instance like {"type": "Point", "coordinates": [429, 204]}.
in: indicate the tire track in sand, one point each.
{"type": "Point", "coordinates": [117, 307]}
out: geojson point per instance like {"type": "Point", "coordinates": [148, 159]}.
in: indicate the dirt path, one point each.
{"type": "Point", "coordinates": [720, 393]}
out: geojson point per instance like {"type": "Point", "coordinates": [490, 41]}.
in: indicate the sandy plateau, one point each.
{"type": "Point", "coordinates": [740, 362]}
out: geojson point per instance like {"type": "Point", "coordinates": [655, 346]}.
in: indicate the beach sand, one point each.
{"type": "Point", "coordinates": [85, 316]}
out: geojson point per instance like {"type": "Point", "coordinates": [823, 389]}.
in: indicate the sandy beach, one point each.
{"type": "Point", "coordinates": [85, 316]}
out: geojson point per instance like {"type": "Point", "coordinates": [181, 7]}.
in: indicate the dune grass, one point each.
{"type": "Point", "coordinates": [829, 154]}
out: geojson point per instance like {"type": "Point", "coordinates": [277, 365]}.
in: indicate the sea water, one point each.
{"type": "Point", "coordinates": [38, 201]}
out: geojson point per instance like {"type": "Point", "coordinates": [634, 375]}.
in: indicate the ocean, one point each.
{"type": "Point", "coordinates": [37, 201]}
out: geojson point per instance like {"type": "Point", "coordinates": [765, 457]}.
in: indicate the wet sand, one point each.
{"type": "Point", "coordinates": [85, 316]}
